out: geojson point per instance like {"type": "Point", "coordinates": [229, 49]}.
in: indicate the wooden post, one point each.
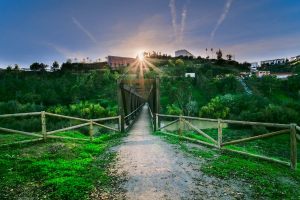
{"type": "Point", "coordinates": [180, 126]}
{"type": "Point", "coordinates": [156, 125]}
{"type": "Point", "coordinates": [43, 121]}
{"type": "Point", "coordinates": [157, 98]}
{"type": "Point", "coordinates": [121, 107]}
{"type": "Point", "coordinates": [91, 131]}
{"type": "Point", "coordinates": [293, 145]}
{"type": "Point", "coordinates": [219, 133]}
{"type": "Point", "coordinates": [119, 123]}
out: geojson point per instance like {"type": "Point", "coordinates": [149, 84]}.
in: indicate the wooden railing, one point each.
{"type": "Point", "coordinates": [44, 134]}
{"type": "Point", "coordinates": [132, 117]}
{"type": "Point", "coordinates": [290, 129]}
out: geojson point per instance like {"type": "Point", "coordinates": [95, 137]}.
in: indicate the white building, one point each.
{"type": "Point", "coordinates": [295, 58]}
{"type": "Point", "coordinates": [273, 62]}
{"type": "Point", "coordinates": [183, 52]}
{"type": "Point", "coordinates": [262, 73]}
{"type": "Point", "coordinates": [254, 66]}
{"type": "Point", "coordinates": [283, 75]}
{"type": "Point", "coordinates": [191, 75]}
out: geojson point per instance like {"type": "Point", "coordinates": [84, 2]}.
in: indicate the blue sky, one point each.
{"type": "Point", "coordinates": [48, 30]}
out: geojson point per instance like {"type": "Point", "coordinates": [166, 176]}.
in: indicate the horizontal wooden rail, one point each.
{"type": "Point", "coordinates": [68, 128]}
{"type": "Point", "coordinates": [20, 114]}
{"type": "Point", "coordinates": [276, 125]}
{"type": "Point", "coordinates": [63, 137]}
{"type": "Point", "coordinates": [105, 118]}
{"type": "Point", "coordinates": [256, 123]}
{"type": "Point", "coordinates": [66, 117]}
{"type": "Point", "coordinates": [169, 124]}
{"type": "Point", "coordinates": [20, 132]}
{"type": "Point", "coordinates": [256, 137]}
{"type": "Point", "coordinates": [188, 117]}
{"type": "Point", "coordinates": [200, 131]}
{"type": "Point", "coordinates": [298, 128]}
{"type": "Point", "coordinates": [107, 127]}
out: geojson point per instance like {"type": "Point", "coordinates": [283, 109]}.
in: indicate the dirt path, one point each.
{"type": "Point", "coordinates": [157, 170]}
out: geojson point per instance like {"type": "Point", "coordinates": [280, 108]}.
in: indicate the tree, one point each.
{"type": "Point", "coordinates": [55, 66]}
{"type": "Point", "coordinates": [179, 62]}
{"type": "Point", "coordinates": [219, 54]}
{"type": "Point", "coordinates": [9, 68]}
{"type": "Point", "coordinates": [38, 67]}
{"type": "Point", "coordinates": [229, 57]}
{"type": "Point", "coordinates": [16, 68]}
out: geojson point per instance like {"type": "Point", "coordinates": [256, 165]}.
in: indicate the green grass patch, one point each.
{"type": "Point", "coordinates": [57, 169]}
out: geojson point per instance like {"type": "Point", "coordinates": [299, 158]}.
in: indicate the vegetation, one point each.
{"type": "Point", "coordinates": [217, 93]}
{"type": "Point", "coordinates": [56, 169]}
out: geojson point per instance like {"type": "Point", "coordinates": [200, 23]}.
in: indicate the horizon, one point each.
{"type": "Point", "coordinates": [58, 30]}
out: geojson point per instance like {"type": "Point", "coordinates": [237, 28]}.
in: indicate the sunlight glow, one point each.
{"type": "Point", "coordinates": [141, 56]}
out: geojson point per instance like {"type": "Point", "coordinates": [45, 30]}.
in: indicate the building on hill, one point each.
{"type": "Point", "coordinates": [263, 73]}
{"type": "Point", "coordinates": [295, 58]}
{"type": "Point", "coordinates": [183, 53]}
{"type": "Point", "coordinates": [254, 66]}
{"type": "Point", "coordinates": [278, 61]}
{"type": "Point", "coordinates": [117, 62]}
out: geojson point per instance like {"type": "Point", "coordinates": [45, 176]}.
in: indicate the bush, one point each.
{"type": "Point", "coordinates": [173, 110]}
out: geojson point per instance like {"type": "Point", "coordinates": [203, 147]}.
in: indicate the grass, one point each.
{"type": "Point", "coordinates": [57, 169]}
{"type": "Point", "coordinates": [265, 180]}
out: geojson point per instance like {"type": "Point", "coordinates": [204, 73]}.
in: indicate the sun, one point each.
{"type": "Point", "coordinates": [140, 56]}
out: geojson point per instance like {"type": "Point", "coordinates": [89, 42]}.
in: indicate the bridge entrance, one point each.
{"type": "Point", "coordinates": [133, 94]}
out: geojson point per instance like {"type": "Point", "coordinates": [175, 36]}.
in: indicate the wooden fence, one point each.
{"type": "Point", "coordinates": [290, 129]}
{"type": "Point", "coordinates": [44, 134]}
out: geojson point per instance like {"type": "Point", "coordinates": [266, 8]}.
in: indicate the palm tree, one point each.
{"type": "Point", "coordinates": [212, 53]}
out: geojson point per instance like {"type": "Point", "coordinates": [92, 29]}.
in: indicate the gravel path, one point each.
{"type": "Point", "coordinates": [157, 170]}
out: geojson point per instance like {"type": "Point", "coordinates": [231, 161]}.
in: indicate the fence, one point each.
{"type": "Point", "coordinates": [290, 129]}
{"type": "Point", "coordinates": [44, 134]}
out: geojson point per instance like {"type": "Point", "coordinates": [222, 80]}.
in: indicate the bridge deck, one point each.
{"type": "Point", "coordinates": [157, 170]}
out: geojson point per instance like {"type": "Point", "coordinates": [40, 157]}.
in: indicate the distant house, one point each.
{"type": "Point", "coordinates": [191, 75]}
{"type": "Point", "coordinates": [262, 73]}
{"type": "Point", "coordinates": [254, 66]}
{"type": "Point", "coordinates": [295, 58]}
{"type": "Point", "coordinates": [279, 61]}
{"type": "Point", "coordinates": [283, 75]}
{"type": "Point", "coordinates": [183, 53]}
{"type": "Point", "coordinates": [117, 62]}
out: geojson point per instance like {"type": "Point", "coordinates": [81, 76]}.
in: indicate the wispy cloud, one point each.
{"type": "Point", "coordinates": [222, 18]}
{"type": "Point", "coordinates": [178, 29]}
{"type": "Point", "coordinates": [172, 6]}
{"type": "Point", "coordinates": [183, 20]}
{"type": "Point", "coordinates": [84, 30]}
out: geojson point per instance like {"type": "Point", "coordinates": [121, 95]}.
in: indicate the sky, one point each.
{"type": "Point", "coordinates": [56, 30]}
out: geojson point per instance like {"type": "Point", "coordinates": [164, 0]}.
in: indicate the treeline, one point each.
{"type": "Point", "coordinates": [50, 89]}
{"type": "Point", "coordinates": [216, 93]}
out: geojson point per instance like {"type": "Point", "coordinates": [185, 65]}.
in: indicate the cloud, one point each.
{"type": "Point", "coordinates": [221, 19]}
{"type": "Point", "coordinates": [66, 53]}
{"type": "Point", "coordinates": [183, 20]}
{"type": "Point", "coordinates": [84, 30]}
{"type": "Point", "coordinates": [172, 6]}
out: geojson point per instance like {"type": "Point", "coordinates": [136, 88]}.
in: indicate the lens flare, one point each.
{"type": "Point", "coordinates": [141, 56]}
